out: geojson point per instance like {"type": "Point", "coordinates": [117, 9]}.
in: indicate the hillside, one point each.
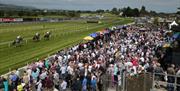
{"type": "Point", "coordinates": [6, 7]}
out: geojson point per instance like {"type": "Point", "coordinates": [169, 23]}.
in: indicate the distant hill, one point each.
{"type": "Point", "coordinates": [15, 7]}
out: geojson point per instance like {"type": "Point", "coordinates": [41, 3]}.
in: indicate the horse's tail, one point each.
{"type": "Point", "coordinates": [14, 42]}
{"type": "Point", "coordinates": [33, 38]}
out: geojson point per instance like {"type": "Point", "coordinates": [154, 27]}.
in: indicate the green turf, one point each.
{"type": "Point", "coordinates": [64, 34]}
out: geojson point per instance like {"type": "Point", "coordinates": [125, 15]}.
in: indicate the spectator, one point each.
{"type": "Point", "coordinates": [63, 85]}
{"type": "Point", "coordinates": [158, 69]}
{"type": "Point", "coordinates": [14, 81]}
{"type": "Point", "coordinates": [48, 83]}
{"type": "Point", "coordinates": [84, 84]}
{"type": "Point", "coordinates": [84, 66]}
{"type": "Point", "coordinates": [6, 85]}
{"type": "Point", "coordinates": [1, 83]}
{"type": "Point", "coordinates": [56, 80]}
{"type": "Point", "coordinates": [76, 86]}
{"type": "Point", "coordinates": [171, 79]}
{"type": "Point", "coordinates": [178, 79]}
{"type": "Point", "coordinates": [93, 84]}
{"type": "Point", "coordinates": [39, 86]}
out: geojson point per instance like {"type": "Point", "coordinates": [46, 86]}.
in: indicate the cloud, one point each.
{"type": "Point", "coordinates": [159, 5]}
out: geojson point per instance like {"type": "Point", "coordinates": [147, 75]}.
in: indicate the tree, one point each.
{"type": "Point", "coordinates": [107, 10]}
{"type": "Point", "coordinates": [72, 14]}
{"type": "Point", "coordinates": [153, 13]}
{"type": "Point", "coordinates": [156, 20]}
{"type": "Point", "coordinates": [99, 11]}
{"type": "Point", "coordinates": [143, 11]}
{"type": "Point", "coordinates": [178, 11]}
{"type": "Point", "coordinates": [135, 12]}
{"type": "Point", "coordinates": [1, 13]}
{"type": "Point", "coordinates": [20, 13]}
{"type": "Point", "coordinates": [128, 12]}
{"type": "Point", "coordinates": [114, 11]}
{"type": "Point", "coordinates": [179, 8]}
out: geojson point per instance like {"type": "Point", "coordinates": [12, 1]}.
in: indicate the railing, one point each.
{"type": "Point", "coordinates": [150, 82]}
{"type": "Point", "coordinates": [174, 85]}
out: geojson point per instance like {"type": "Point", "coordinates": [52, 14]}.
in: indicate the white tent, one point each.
{"type": "Point", "coordinates": [172, 24]}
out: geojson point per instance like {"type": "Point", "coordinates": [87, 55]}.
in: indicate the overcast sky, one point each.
{"type": "Point", "coordinates": [157, 5]}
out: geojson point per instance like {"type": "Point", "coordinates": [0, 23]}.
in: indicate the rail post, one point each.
{"type": "Point", "coordinates": [175, 83]}
{"type": "Point", "coordinates": [9, 44]}
{"type": "Point", "coordinates": [123, 81]}
{"type": "Point", "coordinates": [153, 76]}
{"type": "Point", "coordinates": [27, 64]}
{"type": "Point", "coordinates": [144, 82]}
{"type": "Point", "coordinates": [9, 69]}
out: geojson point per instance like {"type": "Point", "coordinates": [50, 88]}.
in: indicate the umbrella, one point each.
{"type": "Point", "coordinates": [166, 45]}
{"type": "Point", "coordinates": [88, 38]}
{"type": "Point", "coordinates": [94, 35]}
{"type": "Point", "coordinates": [176, 35]}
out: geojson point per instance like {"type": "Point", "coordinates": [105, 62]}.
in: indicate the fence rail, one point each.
{"type": "Point", "coordinates": [149, 82]}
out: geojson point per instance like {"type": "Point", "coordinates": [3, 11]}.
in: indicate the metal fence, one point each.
{"type": "Point", "coordinates": [165, 82]}
{"type": "Point", "coordinates": [110, 85]}
{"type": "Point", "coordinates": [149, 82]}
{"type": "Point", "coordinates": [141, 82]}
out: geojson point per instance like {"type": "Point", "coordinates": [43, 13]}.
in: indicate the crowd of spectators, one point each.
{"type": "Point", "coordinates": [85, 67]}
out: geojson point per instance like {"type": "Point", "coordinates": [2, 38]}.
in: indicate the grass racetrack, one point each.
{"type": "Point", "coordinates": [64, 34]}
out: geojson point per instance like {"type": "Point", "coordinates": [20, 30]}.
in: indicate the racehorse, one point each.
{"type": "Point", "coordinates": [36, 37]}
{"type": "Point", "coordinates": [47, 35]}
{"type": "Point", "coordinates": [17, 41]}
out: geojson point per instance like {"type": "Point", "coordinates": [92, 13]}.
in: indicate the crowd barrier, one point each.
{"type": "Point", "coordinates": [151, 82]}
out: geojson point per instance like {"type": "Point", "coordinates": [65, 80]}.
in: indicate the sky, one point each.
{"type": "Point", "coordinates": [156, 5]}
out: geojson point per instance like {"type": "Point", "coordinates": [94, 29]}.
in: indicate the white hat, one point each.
{"type": "Point", "coordinates": [23, 84]}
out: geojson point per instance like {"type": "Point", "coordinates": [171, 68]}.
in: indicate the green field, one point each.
{"type": "Point", "coordinates": [64, 34]}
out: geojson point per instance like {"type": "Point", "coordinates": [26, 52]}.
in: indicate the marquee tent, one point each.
{"type": "Point", "coordinates": [173, 24]}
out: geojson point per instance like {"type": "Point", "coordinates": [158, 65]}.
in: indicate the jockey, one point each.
{"type": "Point", "coordinates": [37, 34]}
{"type": "Point", "coordinates": [18, 37]}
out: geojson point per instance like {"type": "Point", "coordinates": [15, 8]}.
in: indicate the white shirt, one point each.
{"type": "Point", "coordinates": [85, 46]}
{"type": "Point", "coordinates": [63, 85]}
{"type": "Point", "coordinates": [90, 68]}
{"type": "Point", "coordinates": [56, 76]}
{"type": "Point", "coordinates": [39, 88]}
{"type": "Point", "coordinates": [80, 64]}
{"type": "Point", "coordinates": [29, 71]}
{"type": "Point", "coordinates": [70, 70]}
{"type": "Point", "coordinates": [40, 64]}
{"type": "Point", "coordinates": [17, 73]}
{"type": "Point", "coordinates": [43, 75]}
{"type": "Point", "coordinates": [142, 59]}
{"type": "Point", "coordinates": [63, 70]}
{"type": "Point", "coordinates": [60, 58]}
